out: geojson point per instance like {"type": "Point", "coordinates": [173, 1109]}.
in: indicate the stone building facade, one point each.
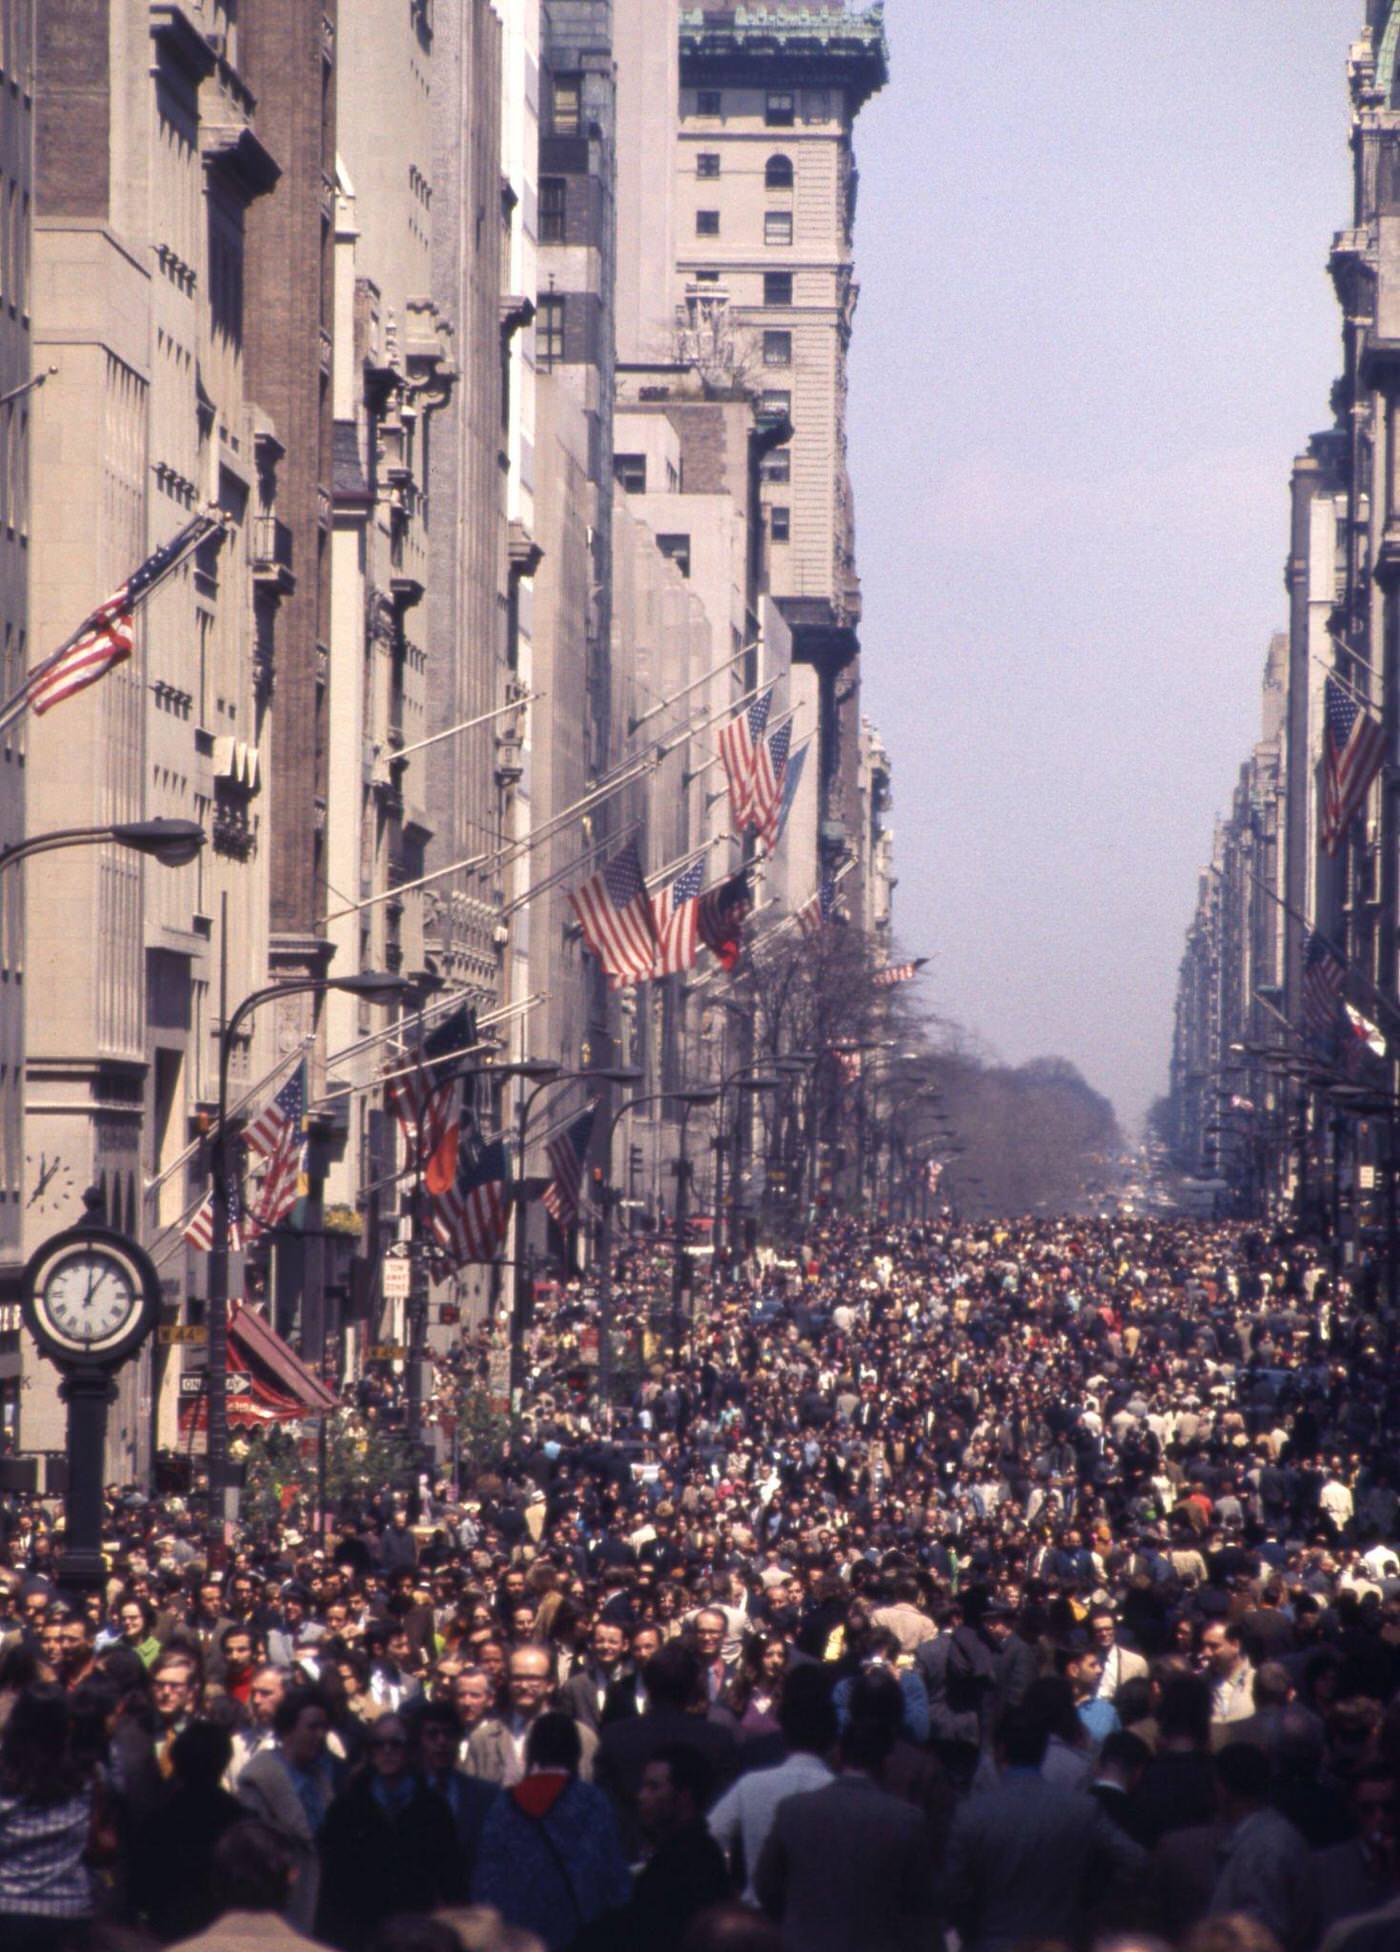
{"type": "Point", "coordinates": [17, 377]}
{"type": "Point", "coordinates": [147, 162]}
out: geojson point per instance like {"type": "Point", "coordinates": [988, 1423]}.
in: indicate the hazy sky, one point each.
{"type": "Point", "coordinates": [1095, 328]}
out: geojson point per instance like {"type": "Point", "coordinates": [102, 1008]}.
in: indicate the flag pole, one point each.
{"type": "Point", "coordinates": [18, 702]}
{"type": "Point", "coordinates": [705, 677]}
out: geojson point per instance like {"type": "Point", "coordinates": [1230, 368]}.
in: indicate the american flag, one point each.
{"type": "Point", "coordinates": [199, 1230]}
{"type": "Point", "coordinates": [898, 972]}
{"type": "Point", "coordinates": [424, 1101]}
{"type": "Point", "coordinates": [792, 778]}
{"type": "Point", "coordinates": [469, 1220]}
{"type": "Point", "coordinates": [723, 911]}
{"type": "Point", "coordinates": [850, 1063]}
{"type": "Point", "coordinates": [770, 768]}
{"type": "Point", "coordinates": [277, 1134]}
{"type": "Point", "coordinates": [1353, 755]}
{"type": "Point", "coordinates": [675, 915]}
{"type": "Point", "coordinates": [814, 914]}
{"type": "Point", "coordinates": [738, 748]}
{"type": "Point", "coordinates": [1324, 973]}
{"type": "Point", "coordinates": [933, 1172]}
{"type": "Point", "coordinates": [567, 1151]}
{"type": "Point", "coordinates": [105, 637]}
{"type": "Point", "coordinates": [615, 913]}
{"type": "Point", "coordinates": [1239, 1104]}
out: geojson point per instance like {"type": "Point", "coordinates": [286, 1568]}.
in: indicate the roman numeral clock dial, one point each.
{"type": "Point", "coordinates": [90, 1297]}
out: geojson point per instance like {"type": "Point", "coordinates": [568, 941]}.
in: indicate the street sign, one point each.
{"type": "Point", "coordinates": [235, 1382]}
{"type": "Point", "coordinates": [386, 1352]}
{"type": "Point", "coordinates": [398, 1279]}
{"type": "Point", "coordinates": [191, 1335]}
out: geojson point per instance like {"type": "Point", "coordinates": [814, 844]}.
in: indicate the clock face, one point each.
{"type": "Point", "coordinates": [90, 1297]}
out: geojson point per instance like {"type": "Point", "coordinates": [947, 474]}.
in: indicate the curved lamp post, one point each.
{"type": "Point", "coordinates": [690, 1096]}
{"type": "Point", "coordinates": [174, 843]}
{"type": "Point", "coordinates": [741, 1081]}
{"type": "Point", "coordinates": [374, 986]}
{"type": "Point", "coordinates": [545, 1072]}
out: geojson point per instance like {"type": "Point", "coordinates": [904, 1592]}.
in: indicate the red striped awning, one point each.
{"type": "Point", "coordinates": [277, 1362]}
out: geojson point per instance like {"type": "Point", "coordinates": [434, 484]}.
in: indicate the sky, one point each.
{"type": "Point", "coordinates": [1095, 328]}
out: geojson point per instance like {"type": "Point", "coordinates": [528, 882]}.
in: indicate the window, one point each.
{"type": "Point", "coordinates": [709, 101]}
{"type": "Point", "coordinates": [677, 549]}
{"type": "Point", "coordinates": [568, 105]}
{"type": "Point", "coordinates": [776, 466]}
{"type": "Point", "coordinates": [777, 349]}
{"type": "Point", "coordinates": [705, 278]}
{"type": "Point", "coordinates": [630, 473]}
{"type": "Point", "coordinates": [774, 400]}
{"type": "Point", "coordinates": [780, 522]}
{"type": "Point", "coordinates": [707, 163]}
{"type": "Point", "coordinates": [777, 227]}
{"type": "Point", "coordinates": [549, 332]}
{"type": "Point", "coordinates": [707, 223]}
{"type": "Point", "coordinates": [777, 174]}
{"type": "Point", "coordinates": [553, 195]}
{"type": "Point", "coordinates": [777, 288]}
{"type": "Point", "coordinates": [780, 111]}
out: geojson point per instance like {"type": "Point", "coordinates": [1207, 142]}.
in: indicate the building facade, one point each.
{"type": "Point", "coordinates": [529, 476]}
{"type": "Point", "coordinates": [17, 383]}
{"type": "Point", "coordinates": [147, 164]}
{"type": "Point", "coordinates": [1320, 1132]}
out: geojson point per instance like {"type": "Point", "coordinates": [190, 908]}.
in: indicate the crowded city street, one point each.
{"type": "Point", "coordinates": [699, 976]}
{"type": "Point", "coordinates": [979, 1584]}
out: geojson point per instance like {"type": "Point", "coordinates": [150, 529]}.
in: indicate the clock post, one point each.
{"type": "Point", "coordinates": [90, 1299]}
{"type": "Point", "coordinates": [87, 1392]}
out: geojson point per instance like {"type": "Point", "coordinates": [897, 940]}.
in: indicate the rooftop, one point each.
{"type": "Point", "coordinates": [839, 45]}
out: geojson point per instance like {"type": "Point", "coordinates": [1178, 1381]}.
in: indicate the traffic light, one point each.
{"type": "Point", "coordinates": [634, 1164]}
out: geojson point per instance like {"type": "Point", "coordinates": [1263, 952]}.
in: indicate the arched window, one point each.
{"type": "Point", "coordinates": [778, 174]}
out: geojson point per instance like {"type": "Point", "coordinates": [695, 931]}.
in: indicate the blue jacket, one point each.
{"type": "Point", "coordinates": [550, 1858]}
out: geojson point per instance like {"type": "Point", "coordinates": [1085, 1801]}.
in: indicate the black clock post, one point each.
{"type": "Point", "coordinates": [90, 1300]}
{"type": "Point", "coordinates": [87, 1392]}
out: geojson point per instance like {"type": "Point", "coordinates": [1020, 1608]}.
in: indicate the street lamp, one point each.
{"type": "Point", "coordinates": [371, 986]}
{"type": "Point", "coordinates": [543, 1072]}
{"type": "Point", "coordinates": [755, 1085]}
{"type": "Point", "coordinates": [689, 1097]}
{"type": "Point", "coordinates": [689, 1100]}
{"type": "Point", "coordinates": [174, 843]}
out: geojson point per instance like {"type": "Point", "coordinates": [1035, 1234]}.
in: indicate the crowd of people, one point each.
{"type": "Point", "coordinates": [968, 1586]}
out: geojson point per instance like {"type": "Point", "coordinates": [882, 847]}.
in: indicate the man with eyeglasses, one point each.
{"type": "Point", "coordinates": [468, 1798]}
{"type": "Point", "coordinates": [496, 1751]}
{"type": "Point", "coordinates": [175, 1697]}
{"type": "Point", "coordinates": [388, 1846]}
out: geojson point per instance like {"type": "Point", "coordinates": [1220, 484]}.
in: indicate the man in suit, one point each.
{"type": "Point", "coordinates": [1025, 1860]}
{"type": "Point", "coordinates": [673, 1692]}
{"type": "Point", "coordinates": [585, 1694]}
{"type": "Point", "coordinates": [710, 1629]}
{"type": "Point", "coordinates": [1120, 1663]}
{"type": "Point", "coordinates": [496, 1749]}
{"type": "Point", "coordinates": [849, 1864]}
{"type": "Point", "coordinates": [468, 1798]}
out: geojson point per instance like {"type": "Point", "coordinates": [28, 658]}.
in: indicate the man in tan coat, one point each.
{"type": "Point", "coordinates": [288, 1788]}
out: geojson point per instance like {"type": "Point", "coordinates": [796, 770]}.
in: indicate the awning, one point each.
{"type": "Point", "coordinates": [252, 1402]}
{"type": "Point", "coordinates": [274, 1362]}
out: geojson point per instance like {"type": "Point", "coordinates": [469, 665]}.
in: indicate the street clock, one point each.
{"type": "Point", "coordinates": [90, 1297]}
